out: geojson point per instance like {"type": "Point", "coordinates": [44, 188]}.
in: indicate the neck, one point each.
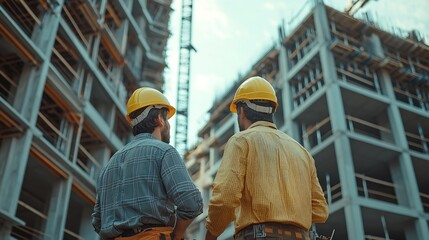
{"type": "Point", "coordinates": [157, 133]}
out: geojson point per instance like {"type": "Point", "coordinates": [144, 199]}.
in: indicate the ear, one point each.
{"type": "Point", "coordinates": [160, 120]}
{"type": "Point", "coordinates": [240, 111]}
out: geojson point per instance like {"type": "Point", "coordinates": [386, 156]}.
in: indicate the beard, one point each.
{"type": "Point", "coordinates": [240, 124]}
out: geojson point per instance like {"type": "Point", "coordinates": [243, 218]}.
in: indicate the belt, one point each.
{"type": "Point", "coordinates": [135, 230]}
{"type": "Point", "coordinates": [272, 229]}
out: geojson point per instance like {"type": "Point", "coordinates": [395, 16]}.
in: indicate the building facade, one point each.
{"type": "Point", "coordinates": [357, 97]}
{"type": "Point", "coordinates": [66, 70]}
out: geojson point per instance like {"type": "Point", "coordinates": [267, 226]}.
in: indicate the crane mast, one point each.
{"type": "Point", "coordinates": [181, 137]}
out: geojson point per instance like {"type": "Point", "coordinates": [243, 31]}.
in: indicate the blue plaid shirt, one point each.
{"type": "Point", "coordinates": [143, 183]}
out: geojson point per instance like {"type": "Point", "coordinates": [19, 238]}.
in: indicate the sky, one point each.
{"type": "Point", "coordinates": [231, 35]}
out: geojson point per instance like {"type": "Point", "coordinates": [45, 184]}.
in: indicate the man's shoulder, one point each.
{"type": "Point", "coordinates": [152, 142]}
{"type": "Point", "coordinates": [153, 146]}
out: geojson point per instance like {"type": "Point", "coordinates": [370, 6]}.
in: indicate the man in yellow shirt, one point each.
{"type": "Point", "coordinates": [267, 182]}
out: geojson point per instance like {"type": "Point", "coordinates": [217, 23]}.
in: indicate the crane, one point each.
{"type": "Point", "coordinates": [181, 137]}
{"type": "Point", "coordinates": [354, 5]}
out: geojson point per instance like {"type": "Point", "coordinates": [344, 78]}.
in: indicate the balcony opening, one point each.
{"type": "Point", "coordinates": [27, 14]}
{"type": "Point", "coordinates": [106, 65]}
{"type": "Point", "coordinates": [375, 171]}
{"type": "Point", "coordinates": [90, 149]}
{"type": "Point", "coordinates": [336, 219]}
{"type": "Point", "coordinates": [307, 82]}
{"type": "Point", "coordinates": [367, 116]}
{"type": "Point", "coordinates": [101, 102]}
{"type": "Point", "coordinates": [9, 127]}
{"type": "Point", "coordinates": [35, 199]}
{"type": "Point", "coordinates": [385, 225]}
{"type": "Point", "coordinates": [110, 52]}
{"type": "Point", "coordinates": [78, 223]}
{"type": "Point", "coordinates": [350, 42]}
{"type": "Point", "coordinates": [65, 59]}
{"type": "Point", "coordinates": [82, 18]}
{"type": "Point", "coordinates": [301, 41]}
{"type": "Point", "coordinates": [134, 58]}
{"type": "Point", "coordinates": [56, 120]}
{"type": "Point", "coordinates": [11, 67]}
{"type": "Point", "coordinates": [121, 127]}
{"type": "Point", "coordinates": [412, 65]}
{"type": "Point", "coordinates": [268, 67]}
{"type": "Point", "coordinates": [315, 124]}
{"type": "Point", "coordinates": [112, 18]}
{"type": "Point", "coordinates": [416, 131]}
{"type": "Point", "coordinates": [159, 12]}
{"type": "Point", "coordinates": [412, 94]}
{"type": "Point", "coordinates": [363, 76]}
{"type": "Point", "coordinates": [152, 74]}
{"type": "Point", "coordinates": [327, 173]}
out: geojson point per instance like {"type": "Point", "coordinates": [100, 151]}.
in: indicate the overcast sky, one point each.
{"type": "Point", "coordinates": [231, 35]}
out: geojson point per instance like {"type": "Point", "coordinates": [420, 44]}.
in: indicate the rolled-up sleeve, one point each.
{"type": "Point", "coordinates": [179, 186]}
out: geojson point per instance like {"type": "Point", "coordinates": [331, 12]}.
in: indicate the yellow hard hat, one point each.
{"type": "Point", "coordinates": [145, 97]}
{"type": "Point", "coordinates": [254, 88]}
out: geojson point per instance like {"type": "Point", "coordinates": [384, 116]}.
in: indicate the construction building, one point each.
{"type": "Point", "coordinates": [66, 71]}
{"type": "Point", "coordinates": [357, 97]}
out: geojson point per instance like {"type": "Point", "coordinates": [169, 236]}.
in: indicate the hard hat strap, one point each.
{"type": "Point", "coordinates": [144, 114]}
{"type": "Point", "coordinates": [257, 108]}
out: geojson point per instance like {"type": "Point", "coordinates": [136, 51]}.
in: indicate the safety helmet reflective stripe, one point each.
{"type": "Point", "coordinates": [257, 108]}
{"type": "Point", "coordinates": [145, 97]}
{"type": "Point", "coordinates": [254, 88]}
{"type": "Point", "coordinates": [144, 114]}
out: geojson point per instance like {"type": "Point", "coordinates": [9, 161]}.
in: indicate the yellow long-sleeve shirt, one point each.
{"type": "Point", "coordinates": [265, 176]}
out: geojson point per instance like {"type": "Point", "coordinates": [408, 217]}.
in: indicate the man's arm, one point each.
{"type": "Point", "coordinates": [181, 190]}
{"type": "Point", "coordinates": [227, 188]}
{"type": "Point", "coordinates": [180, 228]}
{"type": "Point", "coordinates": [210, 236]}
{"type": "Point", "coordinates": [96, 216]}
{"type": "Point", "coordinates": [318, 202]}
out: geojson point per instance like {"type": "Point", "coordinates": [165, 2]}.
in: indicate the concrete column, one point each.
{"type": "Point", "coordinates": [122, 35]}
{"type": "Point", "coordinates": [58, 208]}
{"type": "Point", "coordinates": [285, 88]}
{"type": "Point", "coordinates": [372, 44]}
{"type": "Point", "coordinates": [406, 166]}
{"type": "Point", "coordinates": [103, 5]}
{"type": "Point", "coordinates": [14, 154]}
{"type": "Point", "coordinates": [32, 80]}
{"type": "Point", "coordinates": [95, 46]}
{"type": "Point", "coordinates": [290, 126]}
{"type": "Point", "coordinates": [344, 157]}
{"type": "Point", "coordinates": [398, 180]}
{"type": "Point", "coordinates": [403, 174]}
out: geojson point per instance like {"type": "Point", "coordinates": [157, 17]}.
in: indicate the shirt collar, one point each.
{"type": "Point", "coordinates": [263, 124]}
{"type": "Point", "coordinates": [144, 135]}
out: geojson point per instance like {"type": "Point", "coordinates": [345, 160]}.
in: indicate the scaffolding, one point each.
{"type": "Point", "coordinates": [66, 70]}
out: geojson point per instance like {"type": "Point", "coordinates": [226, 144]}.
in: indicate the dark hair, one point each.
{"type": "Point", "coordinates": [255, 116]}
{"type": "Point", "coordinates": [149, 124]}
